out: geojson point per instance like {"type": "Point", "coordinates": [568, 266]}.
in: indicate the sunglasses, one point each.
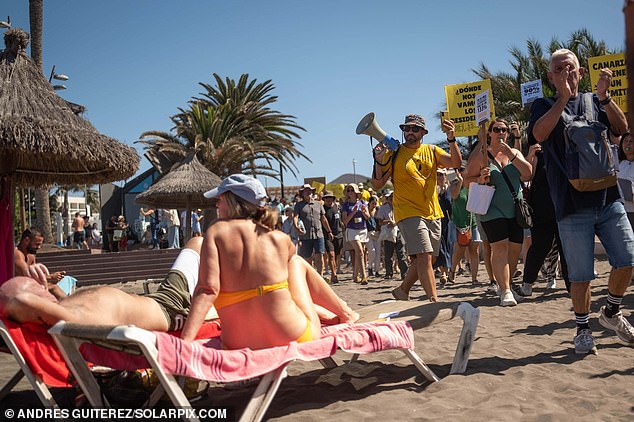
{"type": "Point", "coordinates": [349, 190]}
{"type": "Point", "coordinates": [499, 129]}
{"type": "Point", "coordinates": [414, 129]}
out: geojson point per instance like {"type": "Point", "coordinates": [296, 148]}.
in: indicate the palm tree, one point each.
{"type": "Point", "coordinates": [534, 65]}
{"type": "Point", "coordinates": [43, 212]}
{"type": "Point", "coordinates": [231, 129]}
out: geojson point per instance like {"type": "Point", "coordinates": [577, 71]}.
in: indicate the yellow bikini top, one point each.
{"type": "Point", "coordinates": [231, 298]}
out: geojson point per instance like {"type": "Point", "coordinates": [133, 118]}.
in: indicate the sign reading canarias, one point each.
{"type": "Point", "coordinates": [462, 108]}
{"type": "Point", "coordinates": [616, 63]}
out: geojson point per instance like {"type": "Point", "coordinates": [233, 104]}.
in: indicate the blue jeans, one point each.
{"type": "Point", "coordinates": [154, 228]}
{"type": "Point", "coordinates": [173, 237]}
{"type": "Point", "coordinates": [309, 246]}
{"type": "Point", "coordinates": [577, 232]}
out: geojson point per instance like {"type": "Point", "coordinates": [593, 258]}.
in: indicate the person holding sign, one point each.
{"type": "Point", "coordinates": [502, 230]}
{"type": "Point", "coordinates": [417, 211]}
{"type": "Point", "coordinates": [582, 214]}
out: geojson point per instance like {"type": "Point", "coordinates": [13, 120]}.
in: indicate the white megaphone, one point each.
{"type": "Point", "coordinates": [369, 126]}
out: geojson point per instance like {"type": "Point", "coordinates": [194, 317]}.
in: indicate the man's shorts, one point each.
{"type": "Point", "coordinates": [78, 237]}
{"type": "Point", "coordinates": [309, 247]}
{"type": "Point", "coordinates": [421, 235]}
{"type": "Point", "coordinates": [502, 229]}
{"type": "Point", "coordinates": [335, 245]}
{"type": "Point", "coordinates": [174, 299]}
{"type": "Point", "coordinates": [613, 229]}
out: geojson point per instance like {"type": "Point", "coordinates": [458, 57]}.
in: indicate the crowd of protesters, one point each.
{"type": "Point", "coordinates": [425, 223]}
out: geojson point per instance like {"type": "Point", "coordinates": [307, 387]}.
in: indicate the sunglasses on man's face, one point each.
{"type": "Point", "coordinates": [414, 129]}
{"type": "Point", "coordinates": [499, 129]}
{"type": "Point", "coordinates": [349, 190]}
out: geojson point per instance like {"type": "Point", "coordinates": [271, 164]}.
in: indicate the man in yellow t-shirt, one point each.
{"type": "Point", "coordinates": [417, 212]}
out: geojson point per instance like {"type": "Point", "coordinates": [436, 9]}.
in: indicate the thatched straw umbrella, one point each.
{"type": "Point", "coordinates": [182, 187]}
{"type": "Point", "coordinates": [42, 141]}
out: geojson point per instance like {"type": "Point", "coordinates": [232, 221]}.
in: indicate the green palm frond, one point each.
{"type": "Point", "coordinates": [533, 65]}
{"type": "Point", "coordinates": [232, 128]}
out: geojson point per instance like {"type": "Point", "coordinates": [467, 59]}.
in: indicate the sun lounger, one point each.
{"type": "Point", "coordinates": [36, 377]}
{"type": "Point", "coordinates": [421, 315]}
{"type": "Point", "coordinates": [170, 356]}
{"type": "Point", "coordinates": [42, 363]}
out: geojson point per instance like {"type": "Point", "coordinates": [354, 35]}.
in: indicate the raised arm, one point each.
{"type": "Point", "coordinates": [382, 170]}
{"type": "Point", "coordinates": [455, 186]}
{"type": "Point", "coordinates": [207, 287]}
{"type": "Point", "coordinates": [454, 158]}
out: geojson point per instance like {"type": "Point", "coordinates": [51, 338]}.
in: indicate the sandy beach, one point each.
{"type": "Point", "coordinates": [522, 367]}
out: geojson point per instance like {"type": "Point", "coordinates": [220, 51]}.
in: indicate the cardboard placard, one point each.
{"type": "Point", "coordinates": [461, 105]}
{"type": "Point", "coordinates": [618, 88]}
{"type": "Point", "coordinates": [483, 111]}
{"type": "Point", "coordinates": [531, 91]}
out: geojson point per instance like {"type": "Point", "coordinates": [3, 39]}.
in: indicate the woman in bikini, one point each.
{"type": "Point", "coordinates": [244, 249]}
{"type": "Point", "coordinates": [264, 293]}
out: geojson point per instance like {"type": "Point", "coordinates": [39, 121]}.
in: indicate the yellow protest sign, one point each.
{"type": "Point", "coordinates": [318, 186]}
{"type": "Point", "coordinates": [337, 189]}
{"type": "Point", "coordinates": [461, 105]}
{"type": "Point", "coordinates": [616, 63]}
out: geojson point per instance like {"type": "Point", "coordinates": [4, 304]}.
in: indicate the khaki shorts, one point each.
{"type": "Point", "coordinates": [421, 235]}
{"type": "Point", "coordinates": [174, 299]}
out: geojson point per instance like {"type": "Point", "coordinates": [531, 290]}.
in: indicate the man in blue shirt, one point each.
{"type": "Point", "coordinates": [581, 215]}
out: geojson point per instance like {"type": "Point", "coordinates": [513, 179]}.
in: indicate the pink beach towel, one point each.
{"type": "Point", "coordinates": [206, 360]}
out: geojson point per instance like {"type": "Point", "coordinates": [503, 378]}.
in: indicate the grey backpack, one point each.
{"type": "Point", "coordinates": [588, 162]}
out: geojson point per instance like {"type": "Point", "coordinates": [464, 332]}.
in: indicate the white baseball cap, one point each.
{"type": "Point", "coordinates": [246, 187]}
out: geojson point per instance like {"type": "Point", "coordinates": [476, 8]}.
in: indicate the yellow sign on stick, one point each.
{"type": "Point", "coordinates": [461, 105]}
{"type": "Point", "coordinates": [616, 63]}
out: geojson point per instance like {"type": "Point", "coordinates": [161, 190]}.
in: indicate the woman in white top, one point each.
{"type": "Point", "coordinates": [626, 171]}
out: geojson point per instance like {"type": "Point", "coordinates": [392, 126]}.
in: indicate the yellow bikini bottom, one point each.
{"type": "Point", "coordinates": [231, 298]}
{"type": "Point", "coordinates": [307, 335]}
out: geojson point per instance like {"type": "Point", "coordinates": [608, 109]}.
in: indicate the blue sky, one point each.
{"type": "Point", "coordinates": [133, 63]}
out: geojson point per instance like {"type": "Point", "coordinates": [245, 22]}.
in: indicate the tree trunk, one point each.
{"type": "Point", "coordinates": [43, 214]}
{"type": "Point", "coordinates": [35, 21]}
{"type": "Point", "coordinates": [65, 216]}
{"type": "Point", "coordinates": [43, 221]}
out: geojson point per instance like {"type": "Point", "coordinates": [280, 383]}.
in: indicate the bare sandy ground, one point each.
{"type": "Point", "coordinates": [522, 367]}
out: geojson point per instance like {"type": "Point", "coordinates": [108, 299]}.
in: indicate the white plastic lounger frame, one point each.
{"type": "Point", "coordinates": [422, 315]}
{"type": "Point", "coordinates": [42, 391]}
{"type": "Point", "coordinates": [69, 338]}
{"type": "Point", "coordinates": [130, 339]}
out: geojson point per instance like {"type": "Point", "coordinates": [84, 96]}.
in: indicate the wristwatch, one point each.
{"type": "Point", "coordinates": [606, 101]}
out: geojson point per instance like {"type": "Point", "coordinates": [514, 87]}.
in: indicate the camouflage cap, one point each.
{"type": "Point", "coordinates": [414, 120]}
